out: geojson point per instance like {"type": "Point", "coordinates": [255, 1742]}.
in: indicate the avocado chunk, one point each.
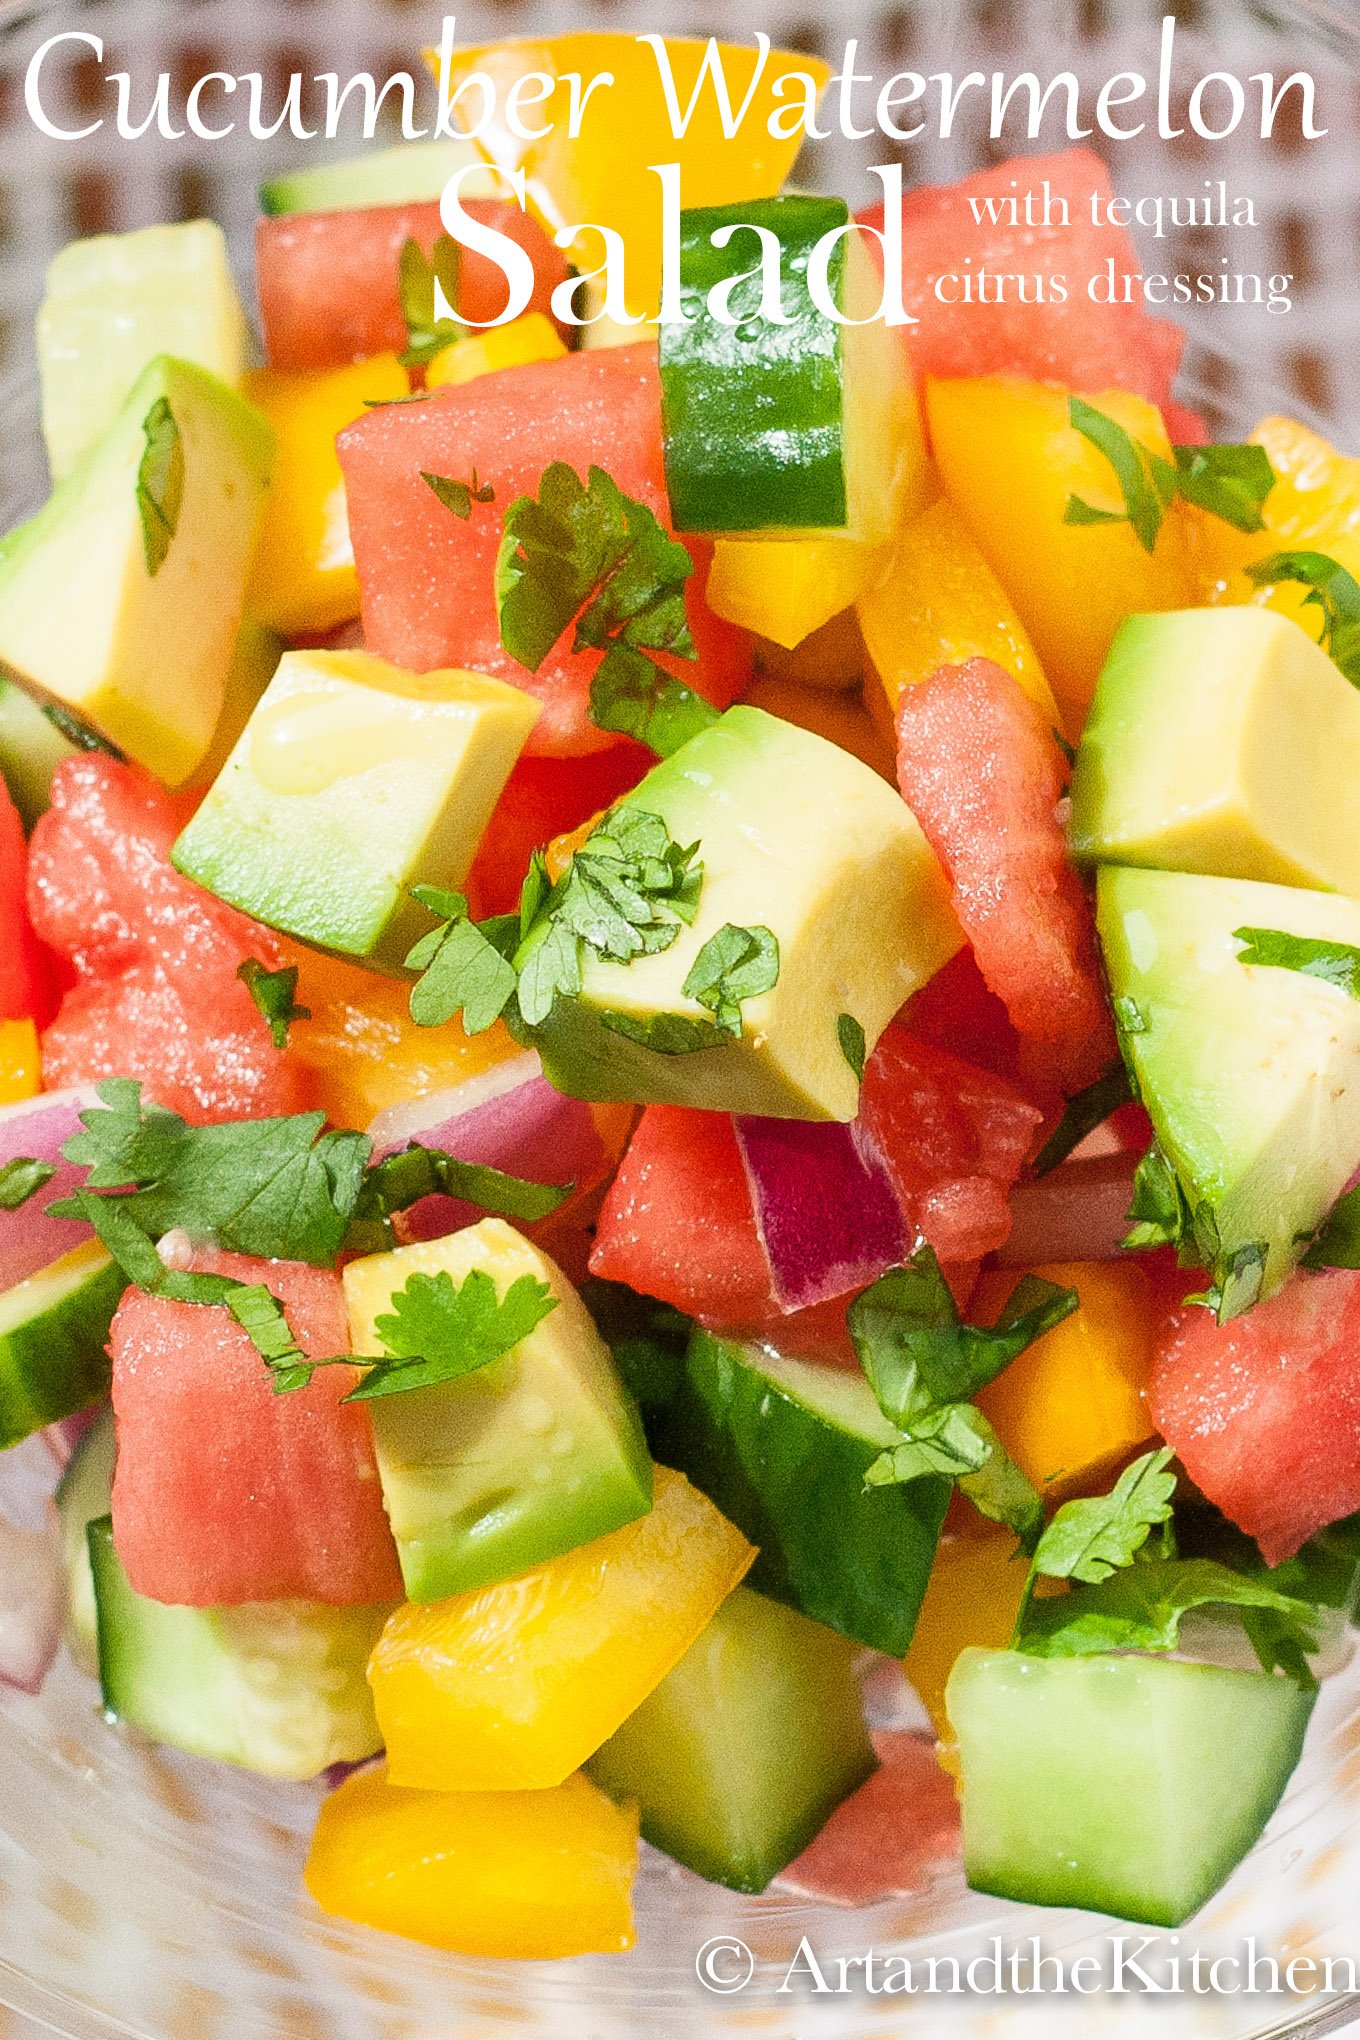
{"type": "Point", "coordinates": [1222, 741]}
{"type": "Point", "coordinates": [1251, 1073]}
{"type": "Point", "coordinates": [740, 1754]}
{"type": "Point", "coordinates": [112, 304]}
{"type": "Point", "coordinates": [54, 1327]}
{"type": "Point", "coordinates": [31, 748]}
{"type": "Point", "coordinates": [797, 837]}
{"type": "Point", "coordinates": [516, 1462]}
{"type": "Point", "coordinates": [352, 782]}
{"type": "Point", "coordinates": [1125, 1785]}
{"type": "Point", "coordinates": [122, 598]}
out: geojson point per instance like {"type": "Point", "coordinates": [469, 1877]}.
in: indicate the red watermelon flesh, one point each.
{"type": "Point", "coordinates": [27, 986]}
{"type": "Point", "coordinates": [1265, 1410]}
{"type": "Point", "coordinates": [328, 281]}
{"type": "Point", "coordinates": [155, 957]}
{"type": "Point", "coordinates": [982, 773]}
{"type": "Point", "coordinates": [428, 578]}
{"type": "Point", "coordinates": [224, 1491]}
{"type": "Point", "coordinates": [543, 798]}
{"type": "Point", "coordinates": [1081, 343]}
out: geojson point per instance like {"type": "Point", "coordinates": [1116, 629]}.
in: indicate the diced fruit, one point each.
{"type": "Point", "coordinates": [827, 712]}
{"type": "Point", "coordinates": [115, 302]}
{"type": "Point", "coordinates": [303, 578]}
{"type": "Point", "coordinates": [328, 281]}
{"type": "Point", "coordinates": [957, 1012]}
{"type": "Point", "coordinates": [428, 577]}
{"type": "Point", "coordinates": [1314, 506]}
{"type": "Point", "coordinates": [1251, 1074]}
{"type": "Point", "coordinates": [746, 1746]}
{"type": "Point", "coordinates": [226, 1492]}
{"type": "Point", "coordinates": [398, 176]}
{"type": "Point", "coordinates": [531, 337]}
{"type": "Point", "coordinates": [20, 1068]}
{"type": "Point", "coordinates": [155, 526]}
{"type": "Point", "coordinates": [353, 782]}
{"type": "Point", "coordinates": [797, 837]}
{"type": "Point", "coordinates": [1072, 585]}
{"type": "Point", "coordinates": [782, 1447]}
{"type": "Point", "coordinates": [514, 1686]}
{"type": "Point", "coordinates": [934, 601]}
{"type": "Point", "coordinates": [889, 1839]}
{"type": "Point", "coordinates": [1221, 741]}
{"type": "Point", "coordinates": [982, 772]}
{"type": "Point", "coordinates": [275, 1686]}
{"type": "Point", "coordinates": [542, 799]}
{"type": "Point", "coordinates": [82, 1497]}
{"type": "Point", "coordinates": [822, 433]}
{"type": "Point", "coordinates": [785, 589]}
{"type": "Point", "coordinates": [1037, 215]}
{"type": "Point", "coordinates": [1074, 1404]}
{"type": "Point", "coordinates": [973, 1598]}
{"type": "Point", "coordinates": [257, 654]}
{"type": "Point", "coordinates": [26, 987]}
{"type": "Point", "coordinates": [53, 1329]}
{"type": "Point", "coordinates": [1265, 1411]}
{"type": "Point", "coordinates": [156, 958]}
{"type": "Point", "coordinates": [503, 1874]}
{"type": "Point", "coordinates": [509, 1466]}
{"type": "Point", "coordinates": [594, 165]}
{"type": "Point", "coordinates": [1123, 1785]}
{"type": "Point", "coordinates": [31, 748]}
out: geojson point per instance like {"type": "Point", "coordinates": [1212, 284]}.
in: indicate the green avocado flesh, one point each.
{"type": "Point", "coordinates": [744, 1749]}
{"type": "Point", "coordinates": [1222, 741]}
{"type": "Point", "coordinates": [275, 1686]}
{"type": "Point", "coordinates": [1125, 1785]}
{"type": "Point", "coordinates": [31, 748]}
{"type": "Point", "coordinates": [798, 837]}
{"type": "Point", "coordinates": [782, 1447]}
{"type": "Point", "coordinates": [1251, 1074]}
{"type": "Point", "coordinates": [53, 1331]}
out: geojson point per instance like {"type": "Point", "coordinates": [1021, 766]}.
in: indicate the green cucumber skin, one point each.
{"type": "Point", "coordinates": [404, 175]}
{"type": "Point", "coordinates": [56, 1363]}
{"type": "Point", "coordinates": [83, 1495]}
{"type": "Point", "coordinates": [753, 414]}
{"type": "Point", "coordinates": [856, 1560]}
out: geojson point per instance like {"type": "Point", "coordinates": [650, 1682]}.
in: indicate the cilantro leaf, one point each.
{"type": "Point", "coordinates": [401, 1180]}
{"type": "Point", "coordinates": [23, 1177]}
{"type": "Point", "coordinates": [734, 964]}
{"type": "Point", "coordinates": [1160, 1210]}
{"type": "Point", "coordinates": [439, 1330]}
{"type": "Point", "coordinates": [1082, 1115]}
{"type": "Point", "coordinates": [1336, 963]}
{"type": "Point", "coordinates": [1333, 591]}
{"type": "Point", "coordinates": [1337, 1244]}
{"type": "Point", "coordinates": [462, 968]}
{"type": "Point", "coordinates": [160, 483]}
{"type": "Point", "coordinates": [459, 496]}
{"type": "Point", "coordinates": [1088, 1540]}
{"type": "Point", "coordinates": [426, 335]}
{"type": "Point", "coordinates": [631, 694]}
{"type": "Point", "coordinates": [1129, 1018]}
{"type": "Point", "coordinates": [272, 991]}
{"type": "Point", "coordinates": [853, 1046]}
{"type": "Point", "coordinates": [1140, 1608]}
{"type": "Point", "coordinates": [666, 1033]}
{"type": "Point", "coordinates": [958, 1442]}
{"type": "Point", "coordinates": [1230, 482]}
{"type": "Point", "coordinates": [262, 1318]}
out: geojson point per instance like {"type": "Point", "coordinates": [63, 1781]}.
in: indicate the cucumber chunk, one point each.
{"type": "Point", "coordinates": [1125, 1785]}
{"type": "Point", "coordinates": [83, 1495]}
{"type": "Point", "coordinates": [403, 175]}
{"type": "Point", "coordinates": [782, 1447]}
{"type": "Point", "coordinates": [741, 1753]}
{"type": "Point", "coordinates": [54, 1328]}
{"type": "Point", "coordinates": [275, 1686]}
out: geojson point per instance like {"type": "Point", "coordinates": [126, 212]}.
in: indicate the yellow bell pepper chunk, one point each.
{"type": "Point", "coordinates": [1314, 507]}
{"type": "Point", "coordinates": [1009, 461]}
{"type": "Point", "coordinates": [785, 589]}
{"type": "Point", "coordinates": [304, 578]}
{"type": "Point", "coordinates": [601, 176]}
{"type": "Point", "coordinates": [20, 1066]}
{"type": "Point", "coordinates": [512, 1687]}
{"type": "Point", "coordinates": [936, 602]}
{"type": "Point", "coordinates": [532, 338]}
{"type": "Point", "coordinates": [1073, 1405]}
{"type": "Point", "coordinates": [526, 1874]}
{"type": "Point", "coordinates": [973, 1598]}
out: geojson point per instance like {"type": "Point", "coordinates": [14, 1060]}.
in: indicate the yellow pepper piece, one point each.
{"type": "Point", "coordinates": [936, 602]}
{"type": "Point", "coordinates": [1009, 461]}
{"type": "Point", "coordinates": [1314, 507]}
{"type": "Point", "coordinates": [1072, 1406]}
{"type": "Point", "coordinates": [532, 338]}
{"type": "Point", "coordinates": [304, 578]}
{"type": "Point", "coordinates": [973, 1598]}
{"type": "Point", "coordinates": [786, 588]}
{"type": "Point", "coordinates": [20, 1066]}
{"type": "Point", "coordinates": [528, 1874]}
{"type": "Point", "coordinates": [601, 177]}
{"type": "Point", "coordinates": [514, 1686]}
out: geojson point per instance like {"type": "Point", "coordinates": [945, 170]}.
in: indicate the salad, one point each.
{"type": "Point", "coordinates": [679, 1014]}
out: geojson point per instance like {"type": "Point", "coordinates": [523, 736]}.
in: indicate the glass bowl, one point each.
{"type": "Point", "coordinates": [143, 1894]}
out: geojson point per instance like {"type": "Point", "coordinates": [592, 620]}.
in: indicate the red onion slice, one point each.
{"type": "Point", "coordinates": [38, 1128]}
{"type": "Point", "coordinates": [825, 1206]}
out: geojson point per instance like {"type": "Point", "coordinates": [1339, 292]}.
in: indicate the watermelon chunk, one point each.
{"type": "Point", "coordinates": [543, 798]}
{"type": "Point", "coordinates": [155, 957]}
{"type": "Point", "coordinates": [225, 1492]}
{"type": "Point", "coordinates": [1265, 1410]}
{"type": "Point", "coordinates": [427, 578]}
{"type": "Point", "coordinates": [328, 281]}
{"type": "Point", "coordinates": [948, 230]}
{"type": "Point", "coordinates": [983, 775]}
{"type": "Point", "coordinates": [27, 983]}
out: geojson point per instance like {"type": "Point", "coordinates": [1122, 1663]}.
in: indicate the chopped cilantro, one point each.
{"type": "Point", "coordinates": [462, 969]}
{"type": "Point", "coordinates": [666, 1033]}
{"type": "Point", "coordinates": [262, 1318]}
{"type": "Point", "coordinates": [1088, 1540]}
{"type": "Point", "coordinates": [1332, 590]}
{"type": "Point", "coordinates": [21, 1178]}
{"type": "Point", "coordinates": [402, 1179]}
{"type": "Point", "coordinates": [160, 483]}
{"type": "Point", "coordinates": [1141, 1607]}
{"type": "Point", "coordinates": [1336, 963]}
{"type": "Point", "coordinates": [1231, 482]}
{"type": "Point", "coordinates": [438, 1330]}
{"type": "Point", "coordinates": [1337, 1244]}
{"type": "Point", "coordinates": [1082, 1115]}
{"type": "Point", "coordinates": [734, 964]}
{"type": "Point", "coordinates": [959, 1443]}
{"type": "Point", "coordinates": [1129, 1016]}
{"type": "Point", "coordinates": [850, 1035]}
{"type": "Point", "coordinates": [77, 732]}
{"type": "Point", "coordinates": [427, 335]}
{"type": "Point", "coordinates": [1160, 1210]}
{"type": "Point", "coordinates": [272, 991]}
{"type": "Point", "coordinates": [458, 496]}
{"type": "Point", "coordinates": [631, 694]}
